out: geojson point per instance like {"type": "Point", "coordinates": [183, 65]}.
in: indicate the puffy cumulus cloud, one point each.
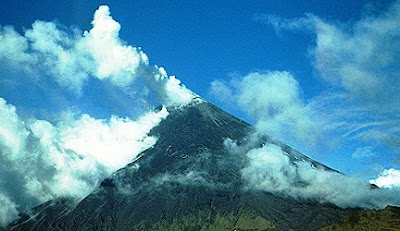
{"type": "Point", "coordinates": [389, 178]}
{"type": "Point", "coordinates": [13, 132]}
{"type": "Point", "coordinates": [112, 143]}
{"type": "Point", "coordinates": [13, 46]}
{"type": "Point", "coordinates": [40, 161]}
{"type": "Point", "coordinates": [270, 169]}
{"type": "Point", "coordinates": [273, 100]}
{"type": "Point", "coordinates": [114, 60]}
{"type": "Point", "coordinates": [70, 57]}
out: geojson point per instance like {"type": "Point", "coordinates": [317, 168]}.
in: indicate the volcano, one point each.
{"type": "Point", "coordinates": [187, 181]}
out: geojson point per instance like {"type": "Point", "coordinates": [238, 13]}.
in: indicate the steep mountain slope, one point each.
{"type": "Point", "coordinates": [374, 220]}
{"type": "Point", "coordinates": [187, 181]}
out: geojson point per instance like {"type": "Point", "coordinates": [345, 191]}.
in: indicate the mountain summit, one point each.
{"type": "Point", "coordinates": [189, 180]}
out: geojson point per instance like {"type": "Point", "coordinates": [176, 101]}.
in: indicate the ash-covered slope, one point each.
{"type": "Point", "coordinates": [187, 181]}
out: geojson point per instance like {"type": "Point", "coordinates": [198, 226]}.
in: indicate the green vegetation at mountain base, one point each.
{"type": "Point", "coordinates": [206, 221]}
{"type": "Point", "coordinates": [374, 220]}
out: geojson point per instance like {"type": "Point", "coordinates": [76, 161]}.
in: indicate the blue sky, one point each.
{"type": "Point", "coordinates": [224, 42]}
{"type": "Point", "coordinates": [200, 41]}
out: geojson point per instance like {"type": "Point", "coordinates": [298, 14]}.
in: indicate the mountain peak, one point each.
{"type": "Point", "coordinates": [198, 123]}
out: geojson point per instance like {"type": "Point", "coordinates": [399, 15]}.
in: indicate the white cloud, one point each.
{"type": "Point", "coordinates": [8, 210]}
{"type": "Point", "coordinates": [362, 59]}
{"type": "Point", "coordinates": [279, 23]}
{"type": "Point", "coordinates": [71, 57]}
{"type": "Point", "coordinates": [177, 94]}
{"type": "Point", "coordinates": [389, 178]}
{"type": "Point", "coordinates": [364, 152]}
{"type": "Point", "coordinates": [12, 131]}
{"type": "Point", "coordinates": [359, 57]}
{"type": "Point", "coordinates": [274, 100]}
{"type": "Point", "coordinates": [114, 60]}
{"type": "Point", "coordinates": [270, 169]}
{"type": "Point", "coordinates": [189, 178]}
{"type": "Point", "coordinates": [13, 45]}
{"type": "Point", "coordinates": [221, 91]}
{"type": "Point", "coordinates": [113, 143]}
{"type": "Point", "coordinates": [44, 161]}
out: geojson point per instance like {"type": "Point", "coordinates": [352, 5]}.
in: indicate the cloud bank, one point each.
{"type": "Point", "coordinates": [270, 169]}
